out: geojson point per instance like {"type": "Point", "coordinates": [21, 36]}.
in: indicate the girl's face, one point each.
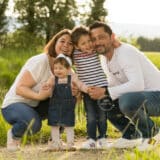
{"type": "Point", "coordinates": [60, 71]}
{"type": "Point", "coordinates": [64, 45]}
{"type": "Point", "coordinates": [85, 44]}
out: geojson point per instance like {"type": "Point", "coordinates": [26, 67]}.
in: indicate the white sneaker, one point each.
{"type": "Point", "coordinates": [126, 143]}
{"type": "Point", "coordinates": [89, 144]}
{"type": "Point", "coordinates": [12, 144]}
{"type": "Point", "coordinates": [102, 143]}
{"type": "Point", "coordinates": [149, 143]}
{"type": "Point", "coordinates": [54, 146]}
{"type": "Point", "coordinates": [69, 147]}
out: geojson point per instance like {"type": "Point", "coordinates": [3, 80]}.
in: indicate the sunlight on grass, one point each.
{"type": "Point", "coordinates": [154, 57]}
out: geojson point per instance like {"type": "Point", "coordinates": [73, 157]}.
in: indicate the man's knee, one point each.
{"type": "Point", "coordinates": [127, 103]}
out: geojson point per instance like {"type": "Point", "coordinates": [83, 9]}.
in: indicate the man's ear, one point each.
{"type": "Point", "coordinates": [116, 42]}
{"type": "Point", "coordinates": [113, 36]}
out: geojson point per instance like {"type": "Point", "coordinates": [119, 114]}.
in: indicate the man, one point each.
{"type": "Point", "coordinates": [134, 87]}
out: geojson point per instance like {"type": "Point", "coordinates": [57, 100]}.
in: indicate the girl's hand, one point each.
{"type": "Point", "coordinates": [45, 91]}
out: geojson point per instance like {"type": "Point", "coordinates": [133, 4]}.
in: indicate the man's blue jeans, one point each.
{"type": "Point", "coordinates": [138, 107]}
{"type": "Point", "coordinates": [96, 118]}
{"type": "Point", "coordinates": [25, 118]}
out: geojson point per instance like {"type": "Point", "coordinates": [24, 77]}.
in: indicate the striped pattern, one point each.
{"type": "Point", "coordinates": [89, 69]}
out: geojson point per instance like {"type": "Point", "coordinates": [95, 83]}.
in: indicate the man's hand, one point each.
{"type": "Point", "coordinates": [96, 92]}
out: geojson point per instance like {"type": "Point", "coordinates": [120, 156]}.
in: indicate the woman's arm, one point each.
{"type": "Point", "coordinates": [25, 85]}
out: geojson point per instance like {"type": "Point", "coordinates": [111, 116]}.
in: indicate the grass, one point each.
{"type": "Point", "coordinates": [154, 57]}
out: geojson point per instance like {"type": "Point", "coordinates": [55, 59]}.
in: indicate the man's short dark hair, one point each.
{"type": "Point", "coordinates": [98, 24]}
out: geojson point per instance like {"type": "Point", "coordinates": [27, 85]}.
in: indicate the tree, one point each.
{"type": "Point", "coordinates": [98, 12]}
{"type": "Point", "coordinates": [149, 44]}
{"type": "Point", "coordinates": [46, 17]}
{"type": "Point", "coordinates": [26, 14]}
{"type": "Point", "coordinates": [56, 15]}
{"type": "Point", "coordinates": [3, 19]}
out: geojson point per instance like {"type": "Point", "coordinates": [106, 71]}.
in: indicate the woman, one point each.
{"type": "Point", "coordinates": [21, 107]}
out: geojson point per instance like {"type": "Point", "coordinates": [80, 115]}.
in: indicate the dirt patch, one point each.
{"type": "Point", "coordinates": [38, 152]}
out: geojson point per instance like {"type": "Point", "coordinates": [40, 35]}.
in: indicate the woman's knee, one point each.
{"type": "Point", "coordinates": [23, 118]}
{"type": "Point", "coordinates": [36, 125]}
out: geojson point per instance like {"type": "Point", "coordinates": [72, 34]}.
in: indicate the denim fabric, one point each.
{"type": "Point", "coordinates": [25, 118]}
{"type": "Point", "coordinates": [62, 105]}
{"type": "Point", "coordinates": [138, 107]}
{"type": "Point", "coordinates": [96, 118]}
{"type": "Point", "coordinates": [117, 118]}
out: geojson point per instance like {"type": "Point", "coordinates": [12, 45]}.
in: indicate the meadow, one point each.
{"type": "Point", "coordinates": [11, 62]}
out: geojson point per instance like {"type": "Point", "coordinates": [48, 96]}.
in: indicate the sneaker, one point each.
{"type": "Point", "coordinates": [89, 144]}
{"type": "Point", "coordinates": [12, 144]}
{"type": "Point", "coordinates": [126, 143]}
{"type": "Point", "coordinates": [149, 143]}
{"type": "Point", "coordinates": [102, 143]}
{"type": "Point", "coordinates": [54, 146]}
{"type": "Point", "coordinates": [69, 147]}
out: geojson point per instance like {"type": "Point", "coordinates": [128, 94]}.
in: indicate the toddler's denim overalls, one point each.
{"type": "Point", "coordinates": [62, 105]}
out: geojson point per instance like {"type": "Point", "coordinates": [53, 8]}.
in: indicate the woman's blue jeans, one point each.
{"type": "Point", "coordinates": [25, 118]}
{"type": "Point", "coordinates": [138, 107]}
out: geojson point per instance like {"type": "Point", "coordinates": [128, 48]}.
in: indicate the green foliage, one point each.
{"type": "Point", "coordinates": [11, 62]}
{"type": "Point", "coordinates": [3, 130]}
{"type": "Point", "coordinates": [24, 39]}
{"type": "Point", "coordinates": [98, 12]}
{"type": "Point", "coordinates": [46, 17]}
{"type": "Point", "coordinates": [3, 20]}
{"type": "Point", "coordinates": [131, 40]}
{"type": "Point", "coordinates": [149, 44]}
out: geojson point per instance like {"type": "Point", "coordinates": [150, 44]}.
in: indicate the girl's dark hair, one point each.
{"type": "Point", "coordinates": [50, 46]}
{"type": "Point", "coordinates": [62, 61]}
{"type": "Point", "coordinates": [77, 32]}
{"type": "Point", "coordinates": [98, 24]}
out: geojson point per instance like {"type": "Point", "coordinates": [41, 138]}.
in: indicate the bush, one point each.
{"type": "Point", "coordinates": [22, 39]}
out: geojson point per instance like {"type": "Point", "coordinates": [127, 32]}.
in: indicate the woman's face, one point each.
{"type": "Point", "coordinates": [64, 45]}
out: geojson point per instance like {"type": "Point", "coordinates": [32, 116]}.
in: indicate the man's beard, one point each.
{"type": "Point", "coordinates": [102, 50]}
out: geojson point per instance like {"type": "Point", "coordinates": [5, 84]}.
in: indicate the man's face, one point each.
{"type": "Point", "coordinates": [102, 41]}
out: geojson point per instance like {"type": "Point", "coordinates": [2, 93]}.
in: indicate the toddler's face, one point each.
{"type": "Point", "coordinates": [85, 44]}
{"type": "Point", "coordinates": [60, 70]}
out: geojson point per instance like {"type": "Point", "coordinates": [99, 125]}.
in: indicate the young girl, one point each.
{"type": "Point", "coordinates": [90, 72]}
{"type": "Point", "coordinates": [62, 104]}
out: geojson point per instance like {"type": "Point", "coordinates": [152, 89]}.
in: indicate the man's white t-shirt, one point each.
{"type": "Point", "coordinates": [129, 71]}
{"type": "Point", "coordinates": [40, 70]}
